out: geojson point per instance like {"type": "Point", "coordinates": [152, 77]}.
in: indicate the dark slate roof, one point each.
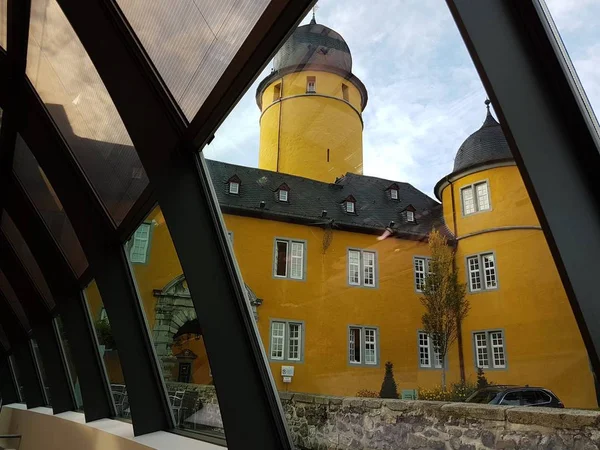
{"type": "Point", "coordinates": [314, 44]}
{"type": "Point", "coordinates": [487, 144]}
{"type": "Point", "coordinates": [308, 198]}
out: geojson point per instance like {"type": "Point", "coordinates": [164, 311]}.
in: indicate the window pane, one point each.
{"type": "Point", "coordinates": [427, 130]}
{"type": "Point", "coordinates": [3, 23]}
{"type": "Point", "coordinates": [70, 87]}
{"type": "Point", "coordinates": [370, 346]}
{"type": "Point", "coordinates": [281, 258]}
{"type": "Point", "coordinates": [42, 371]}
{"type": "Point", "coordinates": [191, 42]}
{"type": "Point", "coordinates": [297, 260]}
{"type": "Point", "coordinates": [277, 339]}
{"type": "Point", "coordinates": [176, 331]}
{"type": "Point", "coordinates": [43, 196]}
{"type": "Point", "coordinates": [17, 375]}
{"type": "Point", "coordinates": [468, 201]}
{"type": "Point", "coordinates": [294, 341]}
{"type": "Point", "coordinates": [66, 347]}
{"type": "Point", "coordinates": [108, 351]}
{"type": "Point", "coordinates": [24, 254]}
{"type": "Point", "coordinates": [483, 199]}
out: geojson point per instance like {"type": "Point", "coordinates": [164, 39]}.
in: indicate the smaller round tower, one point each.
{"type": "Point", "coordinates": [311, 108]}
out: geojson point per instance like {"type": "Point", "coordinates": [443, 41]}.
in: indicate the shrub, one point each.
{"type": "Point", "coordinates": [367, 394]}
{"type": "Point", "coordinates": [388, 387]}
{"type": "Point", "coordinates": [458, 392]}
{"type": "Point", "coordinates": [482, 381]}
{"type": "Point", "coordinates": [104, 333]}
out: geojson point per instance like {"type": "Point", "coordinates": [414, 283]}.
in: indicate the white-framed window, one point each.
{"type": "Point", "coordinates": [363, 345]}
{"type": "Point", "coordinates": [394, 194]}
{"type": "Point", "coordinates": [490, 349]}
{"type": "Point", "coordinates": [482, 273]}
{"type": "Point", "coordinates": [311, 85]}
{"type": "Point", "coordinates": [410, 216]}
{"type": "Point", "coordinates": [350, 207]}
{"type": "Point", "coordinates": [138, 253]}
{"type": "Point", "coordinates": [429, 354]}
{"type": "Point", "coordinates": [234, 187]}
{"type": "Point", "coordinates": [421, 267]}
{"type": "Point", "coordinates": [283, 195]}
{"type": "Point", "coordinates": [289, 259]}
{"type": "Point", "coordinates": [362, 268]}
{"type": "Point", "coordinates": [475, 198]}
{"type": "Point", "coordinates": [287, 340]}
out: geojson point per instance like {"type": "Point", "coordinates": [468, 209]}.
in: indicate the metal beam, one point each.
{"type": "Point", "coordinates": [252, 409]}
{"type": "Point", "coordinates": [41, 321]}
{"type": "Point", "coordinates": [552, 132]}
{"type": "Point", "coordinates": [18, 13]}
{"type": "Point", "coordinates": [95, 388]}
{"type": "Point", "coordinates": [19, 342]}
{"type": "Point", "coordinates": [8, 387]}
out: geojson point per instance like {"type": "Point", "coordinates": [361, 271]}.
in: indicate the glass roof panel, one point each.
{"type": "Point", "coordinates": [69, 85]}
{"type": "Point", "coordinates": [47, 203]}
{"type": "Point", "coordinates": [191, 42]}
{"type": "Point", "coordinates": [13, 300]}
{"type": "Point", "coordinates": [3, 12]}
{"type": "Point", "coordinates": [27, 259]}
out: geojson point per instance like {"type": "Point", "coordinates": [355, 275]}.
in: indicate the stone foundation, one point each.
{"type": "Point", "coordinates": [319, 422]}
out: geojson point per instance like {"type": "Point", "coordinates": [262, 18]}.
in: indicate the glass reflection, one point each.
{"type": "Point", "coordinates": [176, 330]}
{"type": "Point", "coordinates": [17, 377]}
{"type": "Point", "coordinates": [72, 373]}
{"type": "Point", "coordinates": [42, 371]}
{"type": "Point", "coordinates": [108, 351]}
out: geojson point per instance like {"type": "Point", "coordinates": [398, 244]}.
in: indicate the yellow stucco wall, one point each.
{"type": "Point", "coordinates": [297, 130]}
{"type": "Point", "coordinates": [543, 343]}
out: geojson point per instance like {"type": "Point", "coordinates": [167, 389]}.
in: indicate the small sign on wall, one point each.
{"type": "Point", "coordinates": [287, 379]}
{"type": "Point", "coordinates": [287, 371]}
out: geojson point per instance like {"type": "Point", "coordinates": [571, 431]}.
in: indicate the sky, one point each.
{"type": "Point", "coordinates": [425, 96]}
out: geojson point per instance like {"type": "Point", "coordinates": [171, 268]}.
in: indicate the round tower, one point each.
{"type": "Point", "coordinates": [311, 108]}
{"type": "Point", "coordinates": [520, 318]}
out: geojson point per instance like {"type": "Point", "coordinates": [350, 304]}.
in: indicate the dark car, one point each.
{"type": "Point", "coordinates": [516, 396]}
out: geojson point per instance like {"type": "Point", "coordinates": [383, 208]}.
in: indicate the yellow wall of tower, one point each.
{"type": "Point", "coordinates": [297, 129]}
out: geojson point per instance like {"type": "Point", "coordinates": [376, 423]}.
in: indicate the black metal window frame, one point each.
{"type": "Point", "coordinates": [540, 93]}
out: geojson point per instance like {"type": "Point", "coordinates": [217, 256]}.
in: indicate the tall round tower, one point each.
{"type": "Point", "coordinates": [311, 108]}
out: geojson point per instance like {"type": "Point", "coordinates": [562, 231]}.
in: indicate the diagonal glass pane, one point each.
{"type": "Point", "coordinates": [3, 22]}
{"type": "Point", "coordinates": [13, 301]}
{"type": "Point", "coordinates": [191, 42]}
{"type": "Point", "coordinates": [22, 249]}
{"type": "Point", "coordinates": [46, 201]}
{"type": "Point", "coordinates": [66, 80]}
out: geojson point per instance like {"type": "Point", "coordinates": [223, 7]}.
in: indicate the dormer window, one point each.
{"type": "Point", "coordinates": [393, 192]}
{"type": "Point", "coordinates": [283, 193]}
{"type": "Point", "coordinates": [311, 85]}
{"type": "Point", "coordinates": [350, 207]}
{"type": "Point", "coordinates": [233, 185]}
{"type": "Point", "coordinates": [410, 216]}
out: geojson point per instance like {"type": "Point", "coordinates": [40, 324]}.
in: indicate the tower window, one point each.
{"type": "Point", "coordinates": [234, 187]}
{"type": "Point", "coordinates": [311, 85]}
{"type": "Point", "coordinates": [345, 94]}
{"type": "Point", "coordinates": [277, 92]}
{"type": "Point", "coordinates": [475, 198]}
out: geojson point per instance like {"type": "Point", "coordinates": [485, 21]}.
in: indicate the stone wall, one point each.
{"type": "Point", "coordinates": [319, 422]}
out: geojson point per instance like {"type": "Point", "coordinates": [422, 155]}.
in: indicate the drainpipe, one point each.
{"type": "Point", "coordinates": [461, 356]}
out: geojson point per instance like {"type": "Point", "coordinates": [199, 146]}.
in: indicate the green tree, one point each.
{"type": "Point", "coordinates": [444, 299]}
{"type": "Point", "coordinates": [482, 381]}
{"type": "Point", "coordinates": [388, 387]}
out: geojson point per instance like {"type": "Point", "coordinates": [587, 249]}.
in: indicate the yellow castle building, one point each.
{"type": "Point", "coordinates": [334, 261]}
